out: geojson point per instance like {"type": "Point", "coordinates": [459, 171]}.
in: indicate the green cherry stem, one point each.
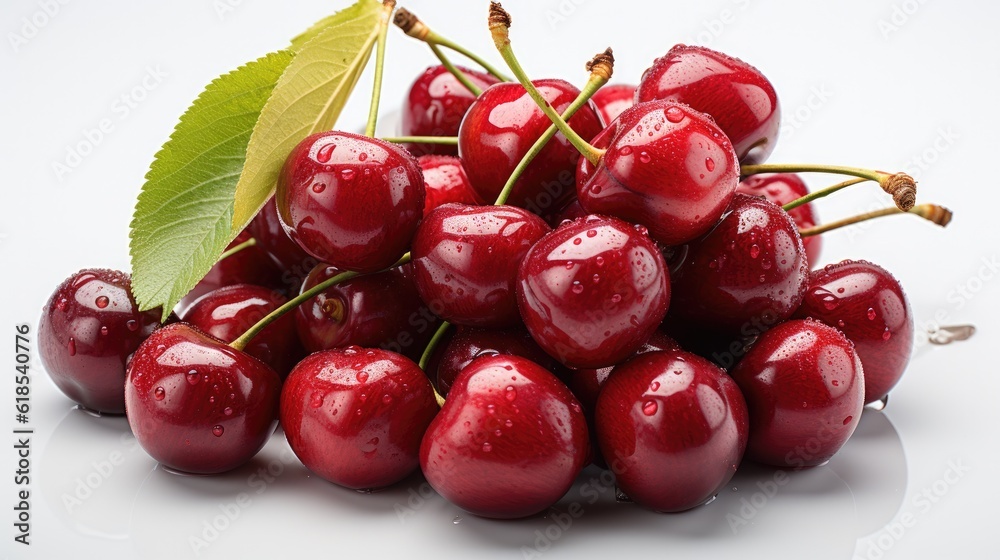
{"type": "Point", "coordinates": [900, 186]}
{"type": "Point", "coordinates": [245, 338]}
{"type": "Point", "coordinates": [383, 28]}
{"type": "Point", "coordinates": [601, 67]}
{"type": "Point", "coordinates": [499, 22]}
{"type": "Point", "coordinates": [450, 140]}
{"type": "Point", "coordinates": [432, 344]}
{"type": "Point", "coordinates": [820, 194]}
{"type": "Point", "coordinates": [459, 75]}
{"type": "Point", "coordinates": [412, 26]}
{"type": "Point", "coordinates": [237, 248]}
{"type": "Point", "coordinates": [932, 212]}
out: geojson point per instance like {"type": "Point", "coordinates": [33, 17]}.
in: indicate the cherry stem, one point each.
{"type": "Point", "coordinates": [412, 26]}
{"type": "Point", "coordinates": [599, 75]}
{"type": "Point", "coordinates": [383, 28]}
{"type": "Point", "coordinates": [900, 186]}
{"type": "Point", "coordinates": [237, 248]}
{"type": "Point", "coordinates": [820, 194]}
{"type": "Point", "coordinates": [499, 22]}
{"type": "Point", "coordinates": [450, 140]}
{"type": "Point", "coordinates": [245, 338]}
{"type": "Point", "coordinates": [432, 344]}
{"type": "Point", "coordinates": [459, 75]}
{"type": "Point", "coordinates": [931, 212]}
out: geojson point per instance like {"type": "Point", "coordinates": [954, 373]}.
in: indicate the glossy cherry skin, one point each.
{"type": "Point", "coordinates": [195, 404]}
{"type": "Point", "coordinates": [250, 265]}
{"type": "Point", "coordinates": [350, 201]}
{"type": "Point", "coordinates": [291, 260]}
{"type": "Point", "coordinates": [740, 99]}
{"type": "Point", "coordinates": [445, 181]}
{"type": "Point", "coordinates": [89, 327]}
{"type": "Point", "coordinates": [228, 312]}
{"type": "Point", "coordinates": [751, 268]}
{"type": "Point", "coordinates": [805, 390]}
{"type": "Point", "coordinates": [867, 304]}
{"type": "Point", "coordinates": [465, 262]}
{"type": "Point", "coordinates": [356, 416]}
{"type": "Point", "coordinates": [470, 343]}
{"type": "Point", "coordinates": [501, 127]}
{"type": "Point", "coordinates": [666, 166]}
{"type": "Point", "coordinates": [435, 105]}
{"type": "Point", "coordinates": [782, 188]}
{"type": "Point", "coordinates": [377, 310]}
{"type": "Point", "coordinates": [592, 291]}
{"type": "Point", "coordinates": [673, 427]}
{"type": "Point", "coordinates": [612, 100]}
{"type": "Point", "coordinates": [508, 442]}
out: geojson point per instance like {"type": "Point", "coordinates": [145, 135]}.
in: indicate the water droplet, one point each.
{"type": "Point", "coordinates": [886, 335]}
{"type": "Point", "coordinates": [577, 241]}
{"type": "Point", "coordinates": [61, 306]}
{"type": "Point", "coordinates": [754, 251]}
{"type": "Point", "coordinates": [104, 331]}
{"type": "Point", "coordinates": [616, 298]}
{"type": "Point", "coordinates": [362, 376]}
{"type": "Point", "coordinates": [644, 157]}
{"type": "Point", "coordinates": [626, 151]}
{"type": "Point", "coordinates": [132, 325]}
{"type": "Point", "coordinates": [497, 432]}
{"type": "Point", "coordinates": [848, 420]}
{"type": "Point", "coordinates": [599, 261]}
{"type": "Point", "coordinates": [218, 430]}
{"type": "Point", "coordinates": [159, 393]}
{"type": "Point", "coordinates": [596, 189]}
{"type": "Point", "coordinates": [487, 447]}
{"type": "Point", "coordinates": [508, 423]}
{"type": "Point", "coordinates": [362, 156]}
{"type": "Point", "coordinates": [102, 302]}
{"type": "Point", "coordinates": [318, 187]}
{"type": "Point", "coordinates": [840, 290]}
{"type": "Point", "coordinates": [192, 376]}
{"type": "Point", "coordinates": [674, 115]}
{"type": "Point", "coordinates": [228, 411]}
{"type": "Point", "coordinates": [316, 401]}
{"type": "Point", "coordinates": [511, 393]}
{"type": "Point", "coordinates": [324, 153]}
{"type": "Point", "coordinates": [871, 314]}
{"type": "Point", "coordinates": [840, 323]}
{"type": "Point", "coordinates": [347, 174]}
{"type": "Point", "coordinates": [211, 400]}
{"type": "Point", "coordinates": [710, 164]}
{"type": "Point", "coordinates": [591, 233]}
{"type": "Point", "coordinates": [577, 287]}
{"type": "Point", "coordinates": [654, 386]}
{"type": "Point", "coordinates": [649, 408]}
{"type": "Point", "coordinates": [762, 279]}
{"type": "Point", "coordinates": [491, 409]}
{"type": "Point", "coordinates": [457, 520]}
{"type": "Point", "coordinates": [386, 399]}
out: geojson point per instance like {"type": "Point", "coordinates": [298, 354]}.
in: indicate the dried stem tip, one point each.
{"type": "Point", "coordinates": [410, 24]}
{"type": "Point", "coordinates": [498, 16]}
{"type": "Point", "coordinates": [934, 213]}
{"type": "Point", "coordinates": [903, 189]}
{"type": "Point", "coordinates": [389, 4]}
{"type": "Point", "coordinates": [603, 64]}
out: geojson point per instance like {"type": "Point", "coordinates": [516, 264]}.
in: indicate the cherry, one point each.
{"type": "Point", "coordinates": [197, 405]}
{"type": "Point", "coordinates": [445, 181]}
{"type": "Point", "coordinates": [500, 128]}
{"type": "Point", "coordinates": [509, 441]}
{"type": "Point", "coordinates": [867, 304]}
{"type": "Point", "coordinates": [250, 265]}
{"type": "Point", "coordinates": [740, 99]}
{"type": "Point", "coordinates": [612, 100]}
{"type": "Point", "coordinates": [435, 105]}
{"type": "Point", "coordinates": [674, 428]}
{"type": "Point", "coordinates": [89, 327]}
{"type": "Point", "coordinates": [291, 260]}
{"type": "Point", "coordinates": [376, 310]}
{"type": "Point", "coordinates": [467, 344]}
{"type": "Point", "coordinates": [665, 166]}
{"type": "Point", "coordinates": [592, 291]}
{"type": "Point", "coordinates": [356, 416]}
{"type": "Point", "coordinates": [228, 312]}
{"type": "Point", "coordinates": [350, 201]}
{"type": "Point", "coordinates": [750, 270]}
{"type": "Point", "coordinates": [782, 188]}
{"type": "Point", "coordinates": [465, 261]}
{"type": "Point", "coordinates": [804, 387]}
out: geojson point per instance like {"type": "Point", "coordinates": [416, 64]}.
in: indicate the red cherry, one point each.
{"type": "Point", "coordinates": [667, 167]}
{"type": "Point", "coordinates": [356, 416]}
{"type": "Point", "coordinates": [470, 343]}
{"type": "Point", "coordinates": [89, 327]}
{"type": "Point", "coordinates": [501, 127]}
{"type": "Point", "coordinates": [750, 269]}
{"type": "Point", "coordinates": [612, 100]}
{"type": "Point", "coordinates": [291, 260]}
{"type": "Point", "coordinates": [228, 312]}
{"type": "Point", "coordinates": [866, 303]}
{"type": "Point", "coordinates": [804, 387]}
{"type": "Point", "coordinates": [377, 310]}
{"type": "Point", "coordinates": [435, 106]}
{"type": "Point", "coordinates": [740, 99]}
{"type": "Point", "coordinates": [250, 265]}
{"type": "Point", "coordinates": [465, 261]}
{"type": "Point", "coordinates": [673, 426]}
{"type": "Point", "coordinates": [351, 201]}
{"type": "Point", "coordinates": [197, 405]}
{"type": "Point", "coordinates": [782, 188]}
{"type": "Point", "coordinates": [509, 441]}
{"type": "Point", "coordinates": [445, 181]}
{"type": "Point", "coordinates": [592, 291]}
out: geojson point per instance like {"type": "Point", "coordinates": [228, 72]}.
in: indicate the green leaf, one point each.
{"type": "Point", "coordinates": [183, 218]}
{"type": "Point", "coordinates": [329, 59]}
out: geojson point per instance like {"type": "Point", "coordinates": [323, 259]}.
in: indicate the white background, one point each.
{"type": "Point", "coordinates": [891, 84]}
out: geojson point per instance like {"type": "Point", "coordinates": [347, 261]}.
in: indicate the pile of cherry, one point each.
{"type": "Point", "coordinates": [589, 315]}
